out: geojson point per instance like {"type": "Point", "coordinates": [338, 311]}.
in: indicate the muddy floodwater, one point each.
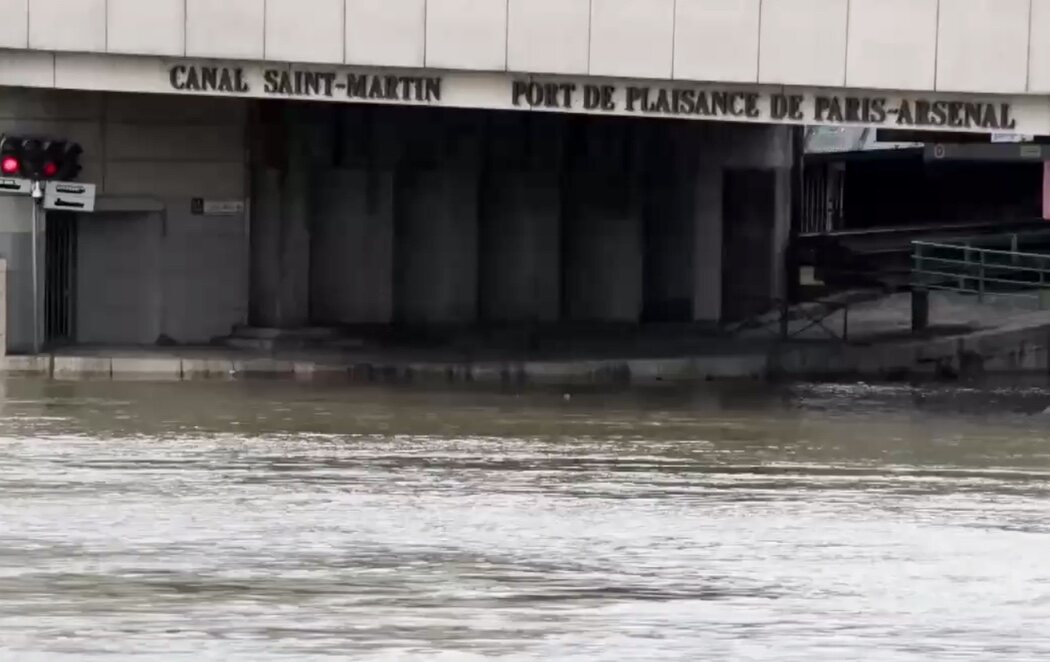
{"type": "Point", "coordinates": [274, 521]}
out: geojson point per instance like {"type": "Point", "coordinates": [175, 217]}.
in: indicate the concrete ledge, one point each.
{"type": "Point", "coordinates": [207, 369]}
{"type": "Point", "coordinates": [263, 367]}
{"type": "Point", "coordinates": [28, 365]}
{"type": "Point", "coordinates": [146, 368]}
{"type": "Point", "coordinates": [82, 367]}
{"type": "Point", "coordinates": [308, 371]}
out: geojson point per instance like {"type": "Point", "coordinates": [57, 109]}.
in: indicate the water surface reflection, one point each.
{"type": "Point", "coordinates": [272, 521]}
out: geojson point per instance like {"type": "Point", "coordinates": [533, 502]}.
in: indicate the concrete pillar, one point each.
{"type": "Point", "coordinates": [436, 217]}
{"type": "Point", "coordinates": [753, 193]}
{"type": "Point", "coordinates": [280, 248]}
{"type": "Point", "coordinates": [707, 244]}
{"type": "Point", "coordinates": [670, 216]}
{"type": "Point", "coordinates": [280, 231]}
{"type": "Point", "coordinates": [352, 247]}
{"type": "Point", "coordinates": [436, 255]}
{"type": "Point", "coordinates": [603, 268]}
{"type": "Point", "coordinates": [603, 227]}
{"type": "Point", "coordinates": [521, 246]}
{"type": "Point", "coordinates": [521, 218]}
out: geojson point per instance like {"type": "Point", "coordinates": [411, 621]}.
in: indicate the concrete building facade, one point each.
{"type": "Point", "coordinates": [984, 46]}
{"type": "Point", "coordinates": [437, 164]}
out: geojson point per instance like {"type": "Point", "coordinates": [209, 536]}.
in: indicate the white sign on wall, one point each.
{"type": "Point", "coordinates": [204, 207]}
{"type": "Point", "coordinates": [69, 196]}
{"type": "Point", "coordinates": [15, 186]}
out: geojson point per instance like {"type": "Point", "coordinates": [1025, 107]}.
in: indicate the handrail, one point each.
{"type": "Point", "coordinates": [975, 249]}
{"type": "Point", "coordinates": [985, 272]}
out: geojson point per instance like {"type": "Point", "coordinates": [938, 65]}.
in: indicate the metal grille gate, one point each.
{"type": "Point", "coordinates": [59, 278]}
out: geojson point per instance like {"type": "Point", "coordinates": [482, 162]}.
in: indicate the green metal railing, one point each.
{"type": "Point", "coordinates": [989, 274]}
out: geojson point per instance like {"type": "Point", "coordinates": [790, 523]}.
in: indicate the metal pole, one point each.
{"type": "Point", "coordinates": [36, 283]}
{"type": "Point", "coordinates": [845, 323]}
{"type": "Point", "coordinates": [980, 282]}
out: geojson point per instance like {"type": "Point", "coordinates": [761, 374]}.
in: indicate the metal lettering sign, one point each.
{"type": "Point", "coordinates": [69, 196]}
{"type": "Point", "coordinates": [1004, 115]}
{"type": "Point", "coordinates": [15, 186]}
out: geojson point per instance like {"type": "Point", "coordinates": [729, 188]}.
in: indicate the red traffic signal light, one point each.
{"type": "Point", "coordinates": [39, 158]}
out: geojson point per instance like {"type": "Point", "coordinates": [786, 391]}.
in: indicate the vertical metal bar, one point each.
{"type": "Point", "coordinates": [49, 299]}
{"type": "Point", "coordinates": [966, 266]}
{"type": "Point", "coordinates": [980, 280]}
{"type": "Point", "coordinates": [920, 310]}
{"type": "Point", "coordinates": [845, 323]}
{"type": "Point", "coordinates": [66, 273]}
{"type": "Point", "coordinates": [59, 276]}
{"type": "Point", "coordinates": [917, 266]}
{"type": "Point", "coordinates": [1042, 280]}
{"type": "Point", "coordinates": [36, 282]}
{"type": "Point", "coordinates": [784, 320]}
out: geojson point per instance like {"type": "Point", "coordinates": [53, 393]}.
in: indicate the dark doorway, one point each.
{"type": "Point", "coordinates": [59, 278]}
{"type": "Point", "coordinates": [748, 212]}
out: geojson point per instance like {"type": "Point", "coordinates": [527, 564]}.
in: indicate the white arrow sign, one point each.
{"type": "Point", "coordinates": [15, 186]}
{"type": "Point", "coordinates": [69, 196]}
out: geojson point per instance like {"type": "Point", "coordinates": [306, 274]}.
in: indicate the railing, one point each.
{"type": "Point", "coordinates": [812, 314]}
{"type": "Point", "coordinates": [987, 273]}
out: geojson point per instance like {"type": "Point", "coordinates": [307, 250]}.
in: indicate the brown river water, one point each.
{"type": "Point", "coordinates": [265, 521]}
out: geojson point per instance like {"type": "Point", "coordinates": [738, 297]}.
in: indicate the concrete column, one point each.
{"type": "Point", "coordinates": [707, 244]}
{"type": "Point", "coordinates": [436, 255]}
{"type": "Point", "coordinates": [281, 208]}
{"type": "Point", "coordinates": [603, 268]}
{"type": "Point", "coordinates": [265, 247]}
{"type": "Point", "coordinates": [746, 185]}
{"type": "Point", "coordinates": [280, 248]}
{"type": "Point", "coordinates": [670, 217]}
{"type": "Point", "coordinates": [352, 247]}
{"type": "Point", "coordinates": [520, 258]}
{"type": "Point", "coordinates": [521, 246]}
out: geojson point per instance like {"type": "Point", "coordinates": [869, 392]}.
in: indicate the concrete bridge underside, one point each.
{"type": "Point", "coordinates": [430, 218]}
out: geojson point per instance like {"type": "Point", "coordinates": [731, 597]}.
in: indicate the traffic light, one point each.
{"type": "Point", "coordinates": [39, 158]}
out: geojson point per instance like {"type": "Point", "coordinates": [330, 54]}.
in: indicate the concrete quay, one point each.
{"type": "Point", "coordinates": [226, 364]}
{"type": "Point", "coordinates": [1017, 348]}
{"type": "Point", "coordinates": [967, 340]}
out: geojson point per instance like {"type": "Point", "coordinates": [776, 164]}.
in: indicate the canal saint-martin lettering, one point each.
{"type": "Point", "coordinates": [685, 101]}
{"type": "Point", "coordinates": [282, 82]}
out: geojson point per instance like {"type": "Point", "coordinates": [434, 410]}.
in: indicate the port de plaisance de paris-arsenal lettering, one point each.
{"type": "Point", "coordinates": [682, 101]}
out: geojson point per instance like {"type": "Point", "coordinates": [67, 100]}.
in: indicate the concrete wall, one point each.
{"type": "Point", "coordinates": [16, 250]}
{"type": "Point", "coordinates": [3, 308]}
{"type": "Point", "coordinates": [146, 265]}
{"type": "Point", "coordinates": [949, 45]}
